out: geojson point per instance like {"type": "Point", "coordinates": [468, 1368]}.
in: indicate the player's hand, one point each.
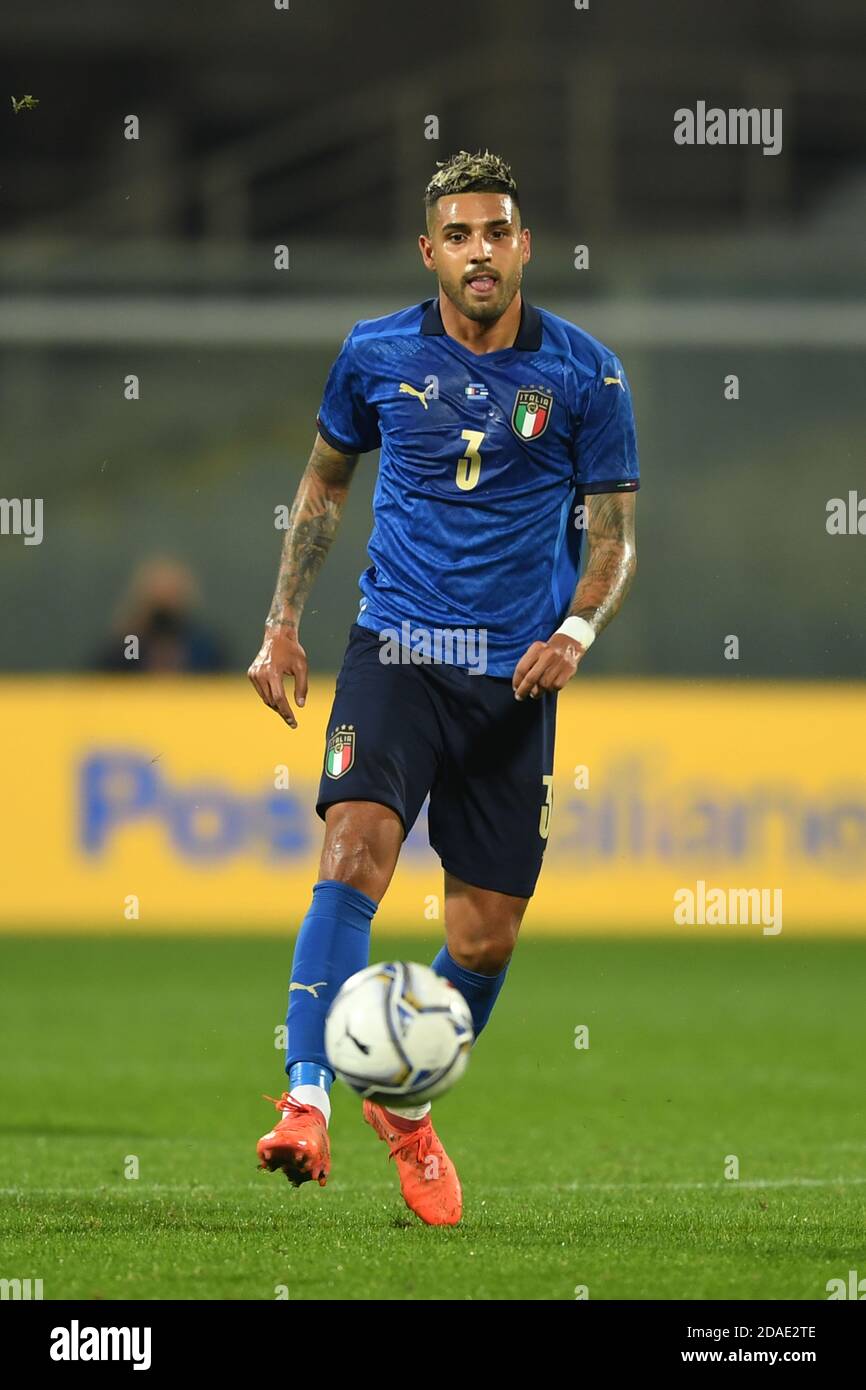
{"type": "Point", "coordinates": [546, 666]}
{"type": "Point", "coordinates": [281, 655]}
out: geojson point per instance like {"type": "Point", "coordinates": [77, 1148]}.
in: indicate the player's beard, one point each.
{"type": "Point", "coordinates": [492, 309]}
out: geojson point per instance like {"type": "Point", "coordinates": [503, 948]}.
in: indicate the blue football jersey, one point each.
{"type": "Point", "coordinates": [485, 460]}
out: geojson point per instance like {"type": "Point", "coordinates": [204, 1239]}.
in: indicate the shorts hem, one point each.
{"type": "Point", "coordinates": [322, 806]}
{"type": "Point", "coordinates": [474, 878]}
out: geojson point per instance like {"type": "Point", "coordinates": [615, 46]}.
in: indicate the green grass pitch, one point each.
{"type": "Point", "coordinates": [601, 1167]}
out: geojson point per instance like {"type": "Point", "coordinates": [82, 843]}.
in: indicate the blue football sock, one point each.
{"type": "Point", "coordinates": [479, 991]}
{"type": "Point", "coordinates": [333, 942]}
{"type": "Point", "coordinates": [310, 1074]}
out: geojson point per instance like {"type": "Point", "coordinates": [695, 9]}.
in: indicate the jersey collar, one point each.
{"type": "Point", "coordinates": [528, 334]}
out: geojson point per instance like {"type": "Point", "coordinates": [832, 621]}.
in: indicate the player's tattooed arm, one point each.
{"type": "Point", "coordinates": [612, 558]}
{"type": "Point", "coordinates": [600, 593]}
{"type": "Point", "coordinates": [313, 523]}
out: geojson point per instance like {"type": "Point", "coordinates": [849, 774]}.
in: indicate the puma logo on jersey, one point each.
{"type": "Point", "coordinates": [311, 989]}
{"type": "Point", "coordinates": [412, 391]}
{"type": "Point", "coordinates": [614, 381]}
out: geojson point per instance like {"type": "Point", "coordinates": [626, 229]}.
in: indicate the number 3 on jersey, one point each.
{"type": "Point", "coordinates": [469, 467]}
{"type": "Point", "coordinates": [547, 808]}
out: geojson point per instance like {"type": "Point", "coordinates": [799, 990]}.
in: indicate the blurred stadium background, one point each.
{"type": "Point", "coordinates": [307, 128]}
{"type": "Point", "coordinates": [147, 800]}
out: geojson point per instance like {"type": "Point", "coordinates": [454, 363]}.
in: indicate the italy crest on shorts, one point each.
{"type": "Point", "coordinates": [531, 412]}
{"type": "Point", "coordinates": [340, 753]}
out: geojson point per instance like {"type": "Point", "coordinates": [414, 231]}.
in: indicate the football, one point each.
{"type": "Point", "coordinates": [399, 1032]}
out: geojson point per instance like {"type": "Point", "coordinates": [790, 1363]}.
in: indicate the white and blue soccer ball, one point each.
{"type": "Point", "coordinates": [399, 1032]}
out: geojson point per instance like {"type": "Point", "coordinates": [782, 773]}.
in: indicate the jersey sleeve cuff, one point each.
{"type": "Point", "coordinates": [341, 445]}
{"type": "Point", "coordinates": [615, 485]}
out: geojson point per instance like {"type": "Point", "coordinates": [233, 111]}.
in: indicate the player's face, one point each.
{"type": "Point", "coordinates": [478, 249]}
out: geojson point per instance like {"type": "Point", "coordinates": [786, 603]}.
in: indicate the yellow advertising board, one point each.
{"type": "Point", "coordinates": [189, 803]}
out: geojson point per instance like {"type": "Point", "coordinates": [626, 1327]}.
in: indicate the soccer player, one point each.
{"type": "Point", "coordinates": [505, 433]}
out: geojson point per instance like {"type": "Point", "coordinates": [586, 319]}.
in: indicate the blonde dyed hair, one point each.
{"type": "Point", "coordinates": [464, 172]}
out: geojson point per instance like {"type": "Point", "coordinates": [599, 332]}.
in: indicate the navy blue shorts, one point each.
{"type": "Point", "coordinates": [397, 732]}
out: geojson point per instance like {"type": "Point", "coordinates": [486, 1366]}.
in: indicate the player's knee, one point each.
{"type": "Point", "coordinates": [360, 848]}
{"type": "Point", "coordinates": [486, 955]}
{"type": "Point", "coordinates": [355, 861]}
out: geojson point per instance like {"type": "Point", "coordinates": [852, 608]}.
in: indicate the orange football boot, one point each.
{"type": "Point", "coordinates": [298, 1143]}
{"type": "Point", "coordinates": [428, 1178]}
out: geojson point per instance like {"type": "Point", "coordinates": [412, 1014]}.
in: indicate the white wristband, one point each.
{"type": "Point", "coordinates": [579, 629]}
